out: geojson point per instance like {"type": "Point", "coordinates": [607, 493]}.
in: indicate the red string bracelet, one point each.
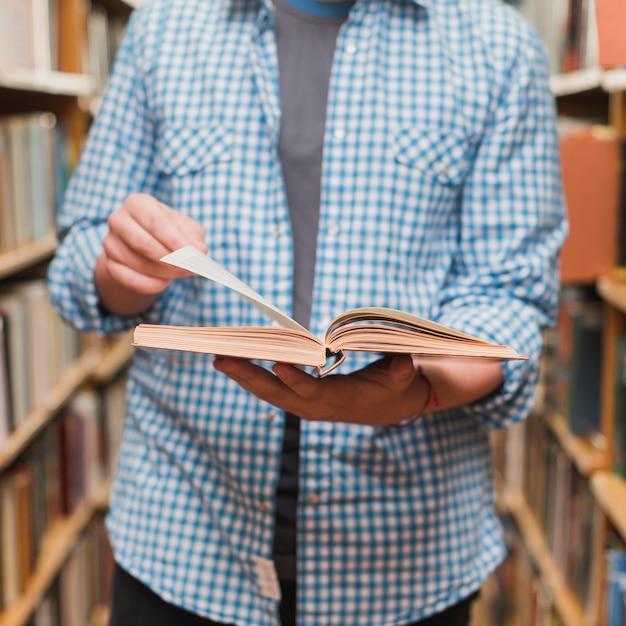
{"type": "Point", "coordinates": [430, 396]}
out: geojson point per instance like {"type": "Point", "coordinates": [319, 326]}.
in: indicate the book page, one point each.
{"type": "Point", "coordinates": [191, 259]}
{"type": "Point", "coordinates": [401, 317]}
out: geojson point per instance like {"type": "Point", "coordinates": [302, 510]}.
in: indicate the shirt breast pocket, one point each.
{"type": "Point", "coordinates": [184, 150]}
{"type": "Point", "coordinates": [442, 155]}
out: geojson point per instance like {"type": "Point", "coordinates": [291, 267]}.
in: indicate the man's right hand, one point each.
{"type": "Point", "coordinates": [129, 274]}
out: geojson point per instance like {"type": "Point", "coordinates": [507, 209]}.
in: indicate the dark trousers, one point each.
{"type": "Point", "coordinates": [134, 604]}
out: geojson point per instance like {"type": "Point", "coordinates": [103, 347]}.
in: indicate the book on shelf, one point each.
{"type": "Point", "coordinates": [615, 556]}
{"type": "Point", "coordinates": [576, 369]}
{"type": "Point", "coordinates": [39, 346]}
{"type": "Point", "coordinates": [59, 471]}
{"type": "Point", "coordinates": [590, 159]}
{"type": "Point", "coordinates": [31, 154]}
{"type": "Point", "coordinates": [585, 369]}
{"type": "Point", "coordinates": [611, 17]}
{"type": "Point", "coordinates": [13, 312]}
{"type": "Point", "coordinates": [619, 410]}
{"type": "Point", "coordinates": [568, 28]}
{"type": "Point", "coordinates": [28, 34]}
{"type": "Point", "coordinates": [622, 204]}
{"type": "Point", "coordinates": [368, 329]}
{"type": "Point", "coordinates": [105, 30]}
{"type": "Point", "coordinates": [6, 416]}
{"type": "Point", "coordinates": [10, 552]}
{"type": "Point", "coordinates": [562, 503]}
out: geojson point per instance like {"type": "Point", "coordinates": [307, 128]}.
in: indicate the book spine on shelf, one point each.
{"type": "Point", "coordinates": [39, 346]}
{"type": "Point", "coordinates": [31, 161]}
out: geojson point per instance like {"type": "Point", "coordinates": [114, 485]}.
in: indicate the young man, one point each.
{"type": "Point", "coordinates": [397, 153]}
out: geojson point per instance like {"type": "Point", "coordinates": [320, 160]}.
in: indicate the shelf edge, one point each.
{"type": "Point", "coordinates": [73, 378]}
{"type": "Point", "coordinates": [567, 605]}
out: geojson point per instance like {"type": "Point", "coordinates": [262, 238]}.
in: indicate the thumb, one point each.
{"type": "Point", "coordinates": [401, 369]}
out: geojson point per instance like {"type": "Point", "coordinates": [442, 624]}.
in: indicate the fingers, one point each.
{"type": "Point", "coordinates": [141, 232]}
{"type": "Point", "coordinates": [256, 380]}
{"type": "Point", "coordinates": [383, 393]}
{"type": "Point", "coordinates": [401, 371]}
{"type": "Point", "coordinates": [118, 252]}
{"type": "Point", "coordinates": [302, 384]}
{"type": "Point", "coordinates": [153, 229]}
{"type": "Point", "coordinates": [138, 282]}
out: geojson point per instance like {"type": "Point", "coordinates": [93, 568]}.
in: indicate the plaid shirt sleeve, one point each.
{"type": "Point", "coordinates": [117, 161]}
{"type": "Point", "coordinates": [504, 283]}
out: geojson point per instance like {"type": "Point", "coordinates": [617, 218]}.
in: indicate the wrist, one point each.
{"type": "Point", "coordinates": [430, 402]}
{"type": "Point", "coordinates": [116, 298]}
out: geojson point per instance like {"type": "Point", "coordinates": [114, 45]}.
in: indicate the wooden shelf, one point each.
{"type": "Point", "coordinates": [588, 456]}
{"type": "Point", "coordinates": [614, 81]}
{"type": "Point", "coordinates": [566, 603]}
{"type": "Point", "coordinates": [72, 379]}
{"type": "Point", "coordinates": [579, 81]}
{"type": "Point", "coordinates": [613, 291]}
{"type": "Point", "coordinates": [58, 544]}
{"type": "Point", "coordinates": [118, 6]}
{"type": "Point", "coordinates": [610, 492]}
{"type": "Point", "coordinates": [114, 359]}
{"type": "Point", "coordinates": [588, 79]}
{"type": "Point", "coordinates": [100, 616]}
{"type": "Point", "coordinates": [55, 83]}
{"type": "Point", "coordinates": [26, 256]}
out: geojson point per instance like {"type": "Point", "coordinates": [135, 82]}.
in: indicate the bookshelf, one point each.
{"type": "Point", "coordinates": [568, 606]}
{"type": "Point", "coordinates": [28, 255]}
{"type": "Point", "coordinates": [594, 93]}
{"type": "Point", "coordinates": [57, 546]}
{"type": "Point", "coordinates": [36, 417]}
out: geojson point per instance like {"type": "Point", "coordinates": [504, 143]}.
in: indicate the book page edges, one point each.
{"type": "Point", "coordinates": [246, 342]}
{"type": "Point", "coordinates": [391, 316]}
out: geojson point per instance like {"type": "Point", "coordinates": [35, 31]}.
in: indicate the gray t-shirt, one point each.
{"type": "Point", "coordinates": [306, 45]}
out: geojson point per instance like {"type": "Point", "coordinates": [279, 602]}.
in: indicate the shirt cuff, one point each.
{"type": "Point", "coordinates": [73, 289]}
{"type": "Point", "coordinates": [518, 327]}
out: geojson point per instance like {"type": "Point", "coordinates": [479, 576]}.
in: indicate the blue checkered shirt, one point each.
{"type": "Point", "coordinates": [440, 195]}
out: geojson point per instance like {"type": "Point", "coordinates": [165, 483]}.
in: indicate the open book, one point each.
{"type": "Point", "coordinates": [372, 329]}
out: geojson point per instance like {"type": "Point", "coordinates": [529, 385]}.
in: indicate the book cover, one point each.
{"type": "Point", "coordinates": [611, 17]}
{"type": "Point", "coordinates": [616, 581]}
{"type": "Point", "coordinates": [591, 178]}
{"type": "Point", "coordinates": [7, 217]}
{"type": "Point", "coordinates": [12, 308]}
{"type": "Point", "coordinates": [9, 541]}
{"type": "Point", "coordinates": [585, 377]}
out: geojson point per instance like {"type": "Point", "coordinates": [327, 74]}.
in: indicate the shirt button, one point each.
{"type": "Point", "coordinates": [333, 230]}
{"type": "Point", "coordinates": [270, 416]}
{"type": "Point", "coordinates": [277, 233]}
{"type": "Point", "coordinates": [314, 498]}
{"type": "Point", "coordinates": [263, 506]}
{"type": "Point", "coordinates": [339, 133]}
{"type": "Point", "coordinates": [351, 48]}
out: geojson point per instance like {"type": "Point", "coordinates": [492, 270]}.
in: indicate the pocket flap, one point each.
{"type": "Point", "coordinates": [444, 156]}
{"type": "Point", "coordinates": [185, 149]}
